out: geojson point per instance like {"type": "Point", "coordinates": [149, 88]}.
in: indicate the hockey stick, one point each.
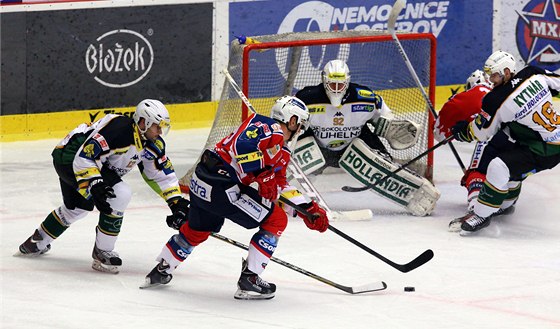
{"type": "Point", "coordinates": [375, 286]}
{"type": "Point", "coordinates": [298, 173]}
{"type": "Point", "coordinates": [422, 259]}
{"type": "Point", "coordinates": [397, 8]}
{"type": "Point", "coordinates": [393, 173]}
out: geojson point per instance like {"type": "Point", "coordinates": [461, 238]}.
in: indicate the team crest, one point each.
{"type": "Point", "coordinates": [537, 34]}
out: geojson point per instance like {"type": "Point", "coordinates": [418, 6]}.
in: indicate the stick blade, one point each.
{"type": "Point", "coordinates": [422, 259]}
{"type": "Point", "coordinates": [370, 287]}
{"type": "Point", "coordinates": [351, 215]}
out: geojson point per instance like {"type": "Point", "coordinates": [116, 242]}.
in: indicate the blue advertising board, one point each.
{"type": "Point", "coordinates": [463, 28]}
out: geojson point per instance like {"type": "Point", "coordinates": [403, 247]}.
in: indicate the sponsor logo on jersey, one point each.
{"type": "Point", "coordinates": [363, 108]}
{"type": "Point", "coordinates": [317, 109]}
{"type": "Point", "coordinates": [537, 32]}
{"type": "Point", "coordinates": [335, 144]}
{"type": "Point", "coordinates": [200, 188]}
{"type": "Point", "coordinates": [339, 114]}
{"type": "Point", "coordinates": [249, 157]}
{"type": "Point", "coordinates": [119, 58]}
{"type": "Point", "coordinates": [477, 154]}
{"type": "Point", "coordinates": [273, 151]}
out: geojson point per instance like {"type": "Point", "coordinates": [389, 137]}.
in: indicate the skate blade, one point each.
{"type": "Point", "coordinates": [98, 266]}
{"type": "Point", "coordinates": [251, 295]}
{"type": "Point", "coordinates": [454, 227]}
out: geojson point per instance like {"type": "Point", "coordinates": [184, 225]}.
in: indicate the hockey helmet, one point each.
{"type": "Point", "coordinates": [286, 107]}
{"type": "Point", "coordinates": [478, 78]}
{"type": "Point", "coordinates": [153, 112]}
{"type": "Point", "coordinates": [498, 62]}
{"type": "Point", "coordinates": [336, 79]}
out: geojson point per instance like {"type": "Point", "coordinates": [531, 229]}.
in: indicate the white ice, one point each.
{"type": "Point", "coordinates": [506, 277]}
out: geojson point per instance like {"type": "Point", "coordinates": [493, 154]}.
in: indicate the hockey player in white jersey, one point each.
{"type": "Point", "coordinates": [340, 136]}
{"type": "Point", "coordinates": [520, 105]}
{"type": "Point", "coordinates": [90, 162]}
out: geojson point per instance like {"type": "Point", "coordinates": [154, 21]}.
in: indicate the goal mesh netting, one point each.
{"type": "Point", "coordinates": [282, 64]}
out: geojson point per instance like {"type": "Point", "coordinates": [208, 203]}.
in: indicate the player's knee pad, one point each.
{"type": "Point", "coordinates": [308, 155]}
{"type": "Point", "coordinates": [123, 195]}
{"type": "Point", "coordinates": [369, 167]}
{"type": "Point", "coordinates": [276, 222]}
{"type": "Point", "coordinates": [193, 237]}
{"type": "Point", "coordinates": [498, 174]}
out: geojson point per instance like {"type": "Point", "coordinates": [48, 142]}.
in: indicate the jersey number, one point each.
{"type": "Point", "coordinates": [338, 121]}
{"type": "Point", "coordinates": [549, 117]}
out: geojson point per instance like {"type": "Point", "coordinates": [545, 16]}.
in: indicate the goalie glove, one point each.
{"type": "Point", "coordinates": [400, 134]}
{"type": "Point", "coordinates": [318, 220]}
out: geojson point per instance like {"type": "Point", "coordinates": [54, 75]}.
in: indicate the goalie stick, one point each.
{"type": "Point", "coordinates": [374, 286]}
{"type": "Point", "coordinates": [395, 11]}
{"type": "Point", "coordinates": [298, 174]}
{"type": "Point", "coordinates": [422, 259]}
{"type": "Point", "coordinates": [393, 173]}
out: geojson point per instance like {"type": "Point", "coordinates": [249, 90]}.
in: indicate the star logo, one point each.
{"type": "Point", "coordinates": [538, 34]}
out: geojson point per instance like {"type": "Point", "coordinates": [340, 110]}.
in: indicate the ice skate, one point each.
{"type": "Point", "coordinates": [30, 249]}
{"type": "Point", "coordinates": [455, 225]}
{"type": "Point", "coordinates": [157, 276]}
{"type": "Point", "coordinates": [473, 224]}
{"type": "Point", "coordinates": [105, 261]}
{"type": "Point", "coordinates": [251, 286]}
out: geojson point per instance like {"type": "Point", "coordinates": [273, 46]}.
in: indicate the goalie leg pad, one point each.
{"type": "Point", "coordinates": [407, 189]}
{"type": "Point", "coordinates": [308, 155]}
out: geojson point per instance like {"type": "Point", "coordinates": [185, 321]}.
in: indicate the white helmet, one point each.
{"type": "Point", "coordinates": [153, 112]}
{"type": "Point", "coordinates": [286, 107]}
{"type": "Point", "coordinates": [336, 78]}
{"type": "Point", "coordinates": [478, 78]}
{"type": "Point", "coordinates": [498, 62]}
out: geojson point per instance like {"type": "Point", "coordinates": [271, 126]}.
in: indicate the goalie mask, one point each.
{"type": "Point", "coordinates": [288, 106]}
{"type": "Point", "coordinates": [478, 78]}
{"type": "Point", "coordinates": [336, 78]}
{"type": "Point", "coordinates": [153, 112]}
{"type": "Point", "coordinates": [498, 62]}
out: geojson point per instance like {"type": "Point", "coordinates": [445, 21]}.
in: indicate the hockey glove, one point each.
{"type": "Point", "coordinates": [267, 185]}
{"type": "Point", "coordinates": [318, 220]}
{"type": "Point", "coordinates": [100, 192]}
{"type": "Point", "coordinates": [462, 132]}
{"type": "Point", "coordinates": [180, 209]}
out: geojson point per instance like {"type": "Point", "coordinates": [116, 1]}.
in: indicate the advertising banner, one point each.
{"type": "Point", "coordinates": [105, 57]}
{"type": "Point", "coordinates": [463, 28]}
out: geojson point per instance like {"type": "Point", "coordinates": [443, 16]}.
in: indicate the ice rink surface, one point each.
{"type": "Point", "coordinates": [508, 276]}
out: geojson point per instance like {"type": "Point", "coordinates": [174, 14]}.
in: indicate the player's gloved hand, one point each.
{"type": "Point", "coordinates": [462, 132]}
{"type": "Point", "coordinates": [100, 192]}
{"type": "Point", "coordinates": [180, 209]}
{"type": "Point", "coordinates": [318, 221]}
{"type": "Point", "coordinates": [267, 185]}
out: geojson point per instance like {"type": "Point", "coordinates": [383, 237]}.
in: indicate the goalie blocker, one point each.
{"type": "Point", "coordinates": [415, 193]}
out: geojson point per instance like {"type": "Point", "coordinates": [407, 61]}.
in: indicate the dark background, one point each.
{"type": "Point", "coordinates": [44, 57]}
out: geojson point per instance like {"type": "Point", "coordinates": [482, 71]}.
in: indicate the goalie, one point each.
{"type": "Point", "coordinates": [342, 115]}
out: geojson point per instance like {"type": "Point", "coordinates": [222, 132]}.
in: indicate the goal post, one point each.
{"type": "Point", "coordinates": [269, 66]}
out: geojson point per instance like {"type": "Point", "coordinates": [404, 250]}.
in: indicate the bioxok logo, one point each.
{"type": "Point", "coordinates": [119, 58]}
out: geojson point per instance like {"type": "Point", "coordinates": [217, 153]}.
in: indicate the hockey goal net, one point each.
{"type": "Point", "coordinates": [282, 64]}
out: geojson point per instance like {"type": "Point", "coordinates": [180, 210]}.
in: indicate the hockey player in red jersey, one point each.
{"type": "Point", "coordinates": [519, 106]}
{"type": "Point", "coordinates": [220, 188]}
{"type": "Point", "coordinates": [90, 162]}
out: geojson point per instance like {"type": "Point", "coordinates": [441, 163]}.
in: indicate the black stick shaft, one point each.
{"type": "Point", "coordinates": [418, 261]}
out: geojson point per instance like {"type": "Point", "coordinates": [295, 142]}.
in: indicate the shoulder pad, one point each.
{"type": "Point", "coordinates": [156, 147]}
